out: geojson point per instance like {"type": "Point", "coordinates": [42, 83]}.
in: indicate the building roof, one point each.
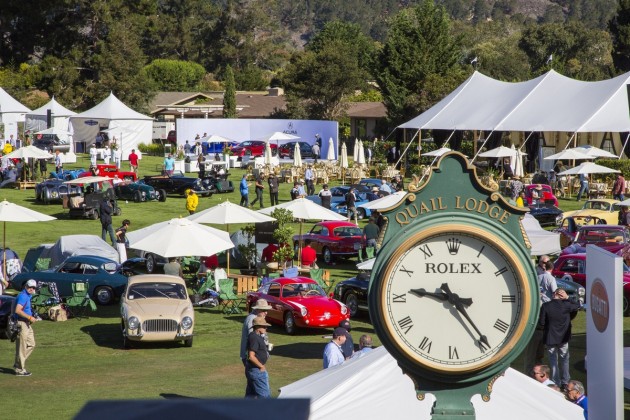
{"type": "Point", "coordinates": [367, 110]}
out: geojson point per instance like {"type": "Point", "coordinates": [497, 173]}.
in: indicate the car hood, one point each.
{"type": "Point", "coordinates": [316, 305]}
{"type": "Point", "coordinates": [586, 212]}
{"type": "Point", "coordinates": [157, 307]}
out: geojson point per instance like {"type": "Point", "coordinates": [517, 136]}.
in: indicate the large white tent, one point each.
{"type": "Point", "coordinates": [11, 112]}
{"type": "Point", "coordinates": [37, 120]}
{"type": "Point", "coordinates": [128, 126]}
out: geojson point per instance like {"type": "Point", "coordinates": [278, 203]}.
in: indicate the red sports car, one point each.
{"type": "Point", "coordinates": [538, 194]}
{"type": "Point", "coordinates": [252, 147]}
{"type": "Point", "coordinates": [299, 302]}
{"type": "Point", "coordinates": [111, 171]}
{"type": "Point", "coordinates": [331, 239]}
{"type": "Point", "coordinates": [610, 237]}
{"type": "Point", "coordinates": [573, 267]}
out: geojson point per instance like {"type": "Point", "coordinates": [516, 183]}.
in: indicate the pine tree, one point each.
{"type": "Point", "coordinates": [229, 97]}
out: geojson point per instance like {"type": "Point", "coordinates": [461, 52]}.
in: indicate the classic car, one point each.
{"type": "Point", "coordinates": [156, 307]}
{"type": "Point", "coordinates": [299, 302]}
{"type": "Point", "coordinates": [138, 192]}
{"type": "Point", "coordinates": [67, 174]}
{"type": "Point", "coordinates": [288, 149]}
{"type": "Point", "coordinates": [177, 184]}
{"type": "Point", "coordinates": [601, 210]}
{"type": "Point", "coordinates": [610, 237]}
{"type": "Point", "coordinates": [6, 304]}
{"type": "Point", "coordinates": [338, 193]}
{"type": "Point", "coordinates": [354, 292]}
{"type": "Point", "coordinates": [573, 267]}
{"type": "Point", "coordinates": [53, 190]}
{"type": "Point", "coordinates": [111, 171]}
{"type": "Point", "coordinates": [546, 213]}
{"type": "Point", "coordinates": [333, 239]}
{"type": "Point", "coordinates": [537, 193]}
{"type": "Point", "coordinates": [88, 205]}
{"type": "Point", "coordinates": [342, 208]}
{"type": "Point", "coordinates": [106, 278]}
{"type": "Point", "coordinates": [253, 148]}
{"type": "Point", "coordinates": [374, 182]}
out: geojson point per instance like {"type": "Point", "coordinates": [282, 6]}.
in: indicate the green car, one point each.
{"type": "Point", "coordinates": [138, 191]}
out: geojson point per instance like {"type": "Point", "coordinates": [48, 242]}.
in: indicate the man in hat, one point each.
{"type": "Point", "coordinates": [25, 343]}
{"type": "Point", "coordinates": [259, 309]}
{"type": "Point", "coordinates": [348, 345]}
{"type": "Point", "coordinates": [257, 355]}
{"type": "Point", "coordinates": [333, 352]}
{"type": "Point", "coordinates": [272, 181]}
{"type": "Point", "coordinates": [373, 195]}
{"type": "Point", "coordinates": [93, 154]}
{"type": "Point", "coordinates": [325, 196]}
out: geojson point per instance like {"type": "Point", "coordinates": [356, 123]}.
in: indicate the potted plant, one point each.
{"type": "Point", "coordinates": [283, 235]}
{"type": "Point", "coordinates": [248, 250]}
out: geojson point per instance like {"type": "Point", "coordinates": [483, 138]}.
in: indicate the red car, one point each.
{"type": "Point", "coordinates": [111, 171]}
{"type": "Point", "coordinates": [610, 237]}
{"type": "Point", "coordinates": [573, 267]}
{"type": "Point", "coordinates": [544, 193]}
{"type": "Point", "coordinates": [332, 239]}
{"type": "Point", "coordinates": [252, 147]}
{"type": "Point", "coordinates": [299, 302]}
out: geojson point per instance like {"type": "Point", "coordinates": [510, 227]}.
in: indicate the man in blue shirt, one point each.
{"type": "Point", "coordinates": [25, 343]}
{"type": "Point", "coordinates": [575, 392]}
{"type": "Point", "coordinates": [244, 188]}
{"type": "Point", "coordinates": [583, 186]}
{"type": "Point", "coordinates": [333, 354]}
{"type": "Point", "coordinates": [169, 164]}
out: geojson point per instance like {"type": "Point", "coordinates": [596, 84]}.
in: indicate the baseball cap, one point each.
{"type": "Point", "coordinates": [338, 332]}
{"type": "Point", "coordinates": [31, 283]}
{"type": "Point", "coordinates": [345, 324]}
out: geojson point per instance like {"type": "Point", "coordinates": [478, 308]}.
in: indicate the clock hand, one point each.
{"type": "Point", "coordinates": [459, 303]}
{"type": "Point", "coordinates": [422, 292]}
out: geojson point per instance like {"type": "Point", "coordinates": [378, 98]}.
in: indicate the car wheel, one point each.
{"type": "Point", "coordinates": [150, 263]}
{"type": "Point", "coordinates": [104, 295]}
{"type": "Point", "coordinates": [46, 196]}
{"type": "Point", "coordinates": [161, 195]}
{"type": "Point", "coordinates": [137, 196]}
{"type": "Point", "coordinates": [94, 215]}
{"type": "Point", "coordinates": [328, 256]}
{"type": "Point", "coordinates": [360, 213]}
{"type": "Point", "coordinates": [289, 323]}
{"type": "Point", "coordinates": [352, 302]}
{"type": "Point", "coordinates": [117, 211]}
{"type": "Point", "coordinates": [188, 342]}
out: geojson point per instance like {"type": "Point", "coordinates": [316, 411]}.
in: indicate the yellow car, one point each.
{"type": "Point", "coordinates": [597, 211]}
{"type": "Point", "coordinates": [156, 307]}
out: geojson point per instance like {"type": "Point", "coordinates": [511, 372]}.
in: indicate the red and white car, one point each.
{"type": "Point", "coordinates": [111, 171]}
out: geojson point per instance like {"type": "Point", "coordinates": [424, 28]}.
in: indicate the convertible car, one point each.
{"type": "Point", "coordinates": [610, 237]}
{"type": "Point", "coordinates": [106, 278]}
{"type": "Point", "coordinates": [299, 303]}
{"type": "Point", "coordinates": [333, 239]}
{"type": "Point", "coordinates": [138, 192]}
{"type": "Point", "coordinates": [53, 190]}
{"type": "Point", "coordinates": [156, 308]}
{"type": "Point", "coordinates": [341, 207]}
{"type": "Point", "coordinates": [596, 211]}
{"type": "Point", "coordinates": [177, 184]}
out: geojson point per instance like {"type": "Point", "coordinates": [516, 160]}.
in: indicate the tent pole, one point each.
{"type": "Point", "coordinates": [624, 145]}
{"type": "Point", "coordinates": [406, 148]}
{"type": "Point", "coordinates": [227, 229]}
{"type": "Point", "coordinates": [4, 253]}
{"type": "Point", "coordinates": [482, 146]}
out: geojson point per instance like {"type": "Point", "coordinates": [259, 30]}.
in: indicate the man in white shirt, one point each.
{"type": "Point", "coordinates": [547, 283]}
{"type": "Point", "coordinates": [93, 155]}
{"type": "Point", "coordinates": [107, 155]}
{"type": "Point", "coordinates": [333, 355]}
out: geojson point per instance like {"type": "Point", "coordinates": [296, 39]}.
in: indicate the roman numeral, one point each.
{"type": "Point", "coordinates": [405, 324]}
{"type": "Point", "coordinates": [501, 326]}
{"type": "Point", "coordinates": [501, 271]}
{"type": "Point", "coordinates": [452, 353]}
{"type": "Point", "coordinates": [508, 298]}
{"type": "Point", "coordinates": [426, 251]}
{"type": "Point", "coordinates": [404, 270]}
{"type": "Point", "coordinates": [481, 250]}
{"type": "Point", "coordinates": [400, 298]}
{"type": "Point", "coordinates": [425, 345]}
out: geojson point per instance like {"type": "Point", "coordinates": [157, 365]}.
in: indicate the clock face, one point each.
{"type": "Point", "coordinates": [454, 299]}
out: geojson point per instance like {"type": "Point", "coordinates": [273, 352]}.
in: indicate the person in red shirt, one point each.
{"type": "Point", "coordinates": [267, 253]}
{"type": "Point", "coordinates": [211, 262]}
{"type": "Point", "coordinates": [133, 161]}
{"type": "Point", "coordinates": [309, 256]}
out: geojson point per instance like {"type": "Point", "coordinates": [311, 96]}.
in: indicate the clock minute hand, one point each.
{"type": "Point", "coordinates": [422, 293]}
{"type": "Point", "coordinates": [459, 305]}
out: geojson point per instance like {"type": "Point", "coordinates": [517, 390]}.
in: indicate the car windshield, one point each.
{"type": "Point", "coordinates": [246, 143]}
{"type": "Point", "coordinates": [596, 205]}
{"type": "Point", "coordinates": [157, 290]}
{"type": "Point", "coordinates": [348, 231]}
{"type": "Point", "coordinates": [302, 290]}
{"type": "Point", "coordinates": [600, 235]}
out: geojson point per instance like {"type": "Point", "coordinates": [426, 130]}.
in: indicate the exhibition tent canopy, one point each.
{"type": "Point", "coordinates": [11, 112]}
{"type": "Point", "coordinates": [37, 120]}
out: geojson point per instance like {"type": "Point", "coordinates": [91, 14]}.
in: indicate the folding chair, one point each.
{"type": "Point", "coordinates": [317, 274]}
{"type": "Point", "coordinates": [204, 294]}
{"type": "Point", "coordinates": [369, 252]}
{"type": "Point", "coordinates": [80, 300]}
{"type": "Point", "coordinates": [219, 274]}
{"type": "Point", "coordinates": [45, 298]}
{"type": "Point", "coordinates": [230, 301]}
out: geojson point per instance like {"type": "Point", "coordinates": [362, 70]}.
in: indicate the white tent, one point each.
{"type": "Point", "coordinates": [112, 113]}
{"type": "Point", "coordinates": [11, 112]}
{"type": "Point", "coordinates": [543, 242]}
{"type": "Point", "coordinates": [373, 387]}
{"type": "Point", "coordinates": [36, 120]}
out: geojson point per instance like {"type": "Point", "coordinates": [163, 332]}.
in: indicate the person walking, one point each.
{"type": "Point", "coordinates": [117, 155]}
{"type": "Point", "coordinates": [309, 175]}
{"type": "Point", "coordinates": [23, 315]}
{"type": "Point", "coordinates": [58, 163]}
{"type": "Point", "coordinates": [351, 205]}
{"type": "Point", "coordinates": [259, 188]}
{"type": "Point", "coordinates": [121, 240]}
{"type": "Point", "coordinates": [257, 356]}
{"type": "Point", "coordinates": [315, 149]}
{"type": "Point", "coordinates": [107, 155]}
{"type": "Point", "coordinates": [370, 233]}
{"type": "Point", "coordinates": [583, 186]}
{"type": "Point", "coordinates": [133, 161]}
{"type": "Point", "coordinates": [619, 188]}
{"type": "Point", "coordinates": [272, 181]}
{"type": "Point", "coordinates": [169, 165]}
{"type": "Point", "coordinates": [93, 154]}
{"type": "Point", "coordinates": [244, 189]}
{"type": "Point", "coordinates": [201, 164]}
{"type": "Point", "coordinates": [105, 214]}
{"type": "Point", "coordinates": [192, 201]}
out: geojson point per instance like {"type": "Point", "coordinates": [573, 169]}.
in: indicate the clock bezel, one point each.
{"type": "Point", "coordinates": [394, 343]}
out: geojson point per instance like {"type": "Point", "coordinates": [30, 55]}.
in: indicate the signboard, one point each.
{"type": "Point", "coordinates": [264, 232]}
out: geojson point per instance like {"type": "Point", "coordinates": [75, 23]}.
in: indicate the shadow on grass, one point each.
{"type": "Point", "coordinates": [299, 350]}
{"type": "Point", "coordinates": [7, 371]}
{"type": "Point", "coordinates": [105, 335]}
{"type": "Point", "coordinates": [176, 397]}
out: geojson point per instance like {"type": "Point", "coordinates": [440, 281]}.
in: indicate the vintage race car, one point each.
{"type": "Point", "coordinates": [299, 303]}
{"type": "Point", "coordinates": [536, 194]}
{"type": "Point", "coordinates": [610, 237]}
{"type": "Point", "coordinates": [112, 171]}
{"type": "Point", "coordinates": [67, 174]}
{"type": "Point", "coordinates": [341, 207]}
{"type": "Point", "coordinates": [333, 239]}
{"type": "Point", "coordinates": [138, 192]}
{"type": "Point", "coordinates": [156, 307]}
{"type": "Point", "coordinates": [593, 211]}
{"type": "Point", "coordinates": [178, 184]}
{"type": "Point", "coordinates": [53, 190]}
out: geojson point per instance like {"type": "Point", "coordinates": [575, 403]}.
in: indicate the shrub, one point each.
{"type": "Point", "coordinates": [153, 149]}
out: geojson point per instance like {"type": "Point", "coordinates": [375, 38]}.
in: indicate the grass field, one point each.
{"type": "Point", "coordinates": [83, 359]}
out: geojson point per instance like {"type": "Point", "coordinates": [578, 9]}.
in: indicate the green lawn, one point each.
{"type": "Point", "coordinates": [81, 360]}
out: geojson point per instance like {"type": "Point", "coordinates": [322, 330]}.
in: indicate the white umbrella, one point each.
{"type": "Point", "coordinates": [267, 157]}
{"type": "Point", "coordinates": [595, 152]}
{"type": "Point", "coordinates": [586, 168]}
{"type": "Point", "coordinates": [279, 136]}
{"type": "Point", "coordinates": [54, 131]}
{"type": "Point", "coordinates": [361, 154]}
{"type": "Point", "coordinates": [438, 152]}
{"type": "Point", "coordinates": [355, 150]}
{"type": "Point", "coordinates": [570, 154]}
{"type": "Point", "coordinates": [297, 156]}
{"type": "Point", "coordinates": [180, 238]}
{"type": "Point", "coordinates": [227, 213]}
{"type": "Point", "coordinates": [10, 212]}
{"type": "Point", "coordinates": [331, 150]}
{"type": "Point", "coordinates": [498, 152]}
{"type": "Point", "coordinates": [366, 265]}
{"type": "Point", "coordinates": [87, 180]}
{"type": "Point", "coordinates": [385, 202]}
{"type": "Point", "coordinates": [215, 138]}
{"type": "Point", "coordinates": [344, 156]}
{"type": "Point", "coordinates": [28, 152]}
{"type": "Point", "coordinates": [516, 162]}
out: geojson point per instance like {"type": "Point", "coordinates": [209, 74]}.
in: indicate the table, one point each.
{"type": "Point", "coordinates": [244, 283]}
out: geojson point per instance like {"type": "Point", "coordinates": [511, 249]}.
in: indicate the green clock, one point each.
{"type": "Point", "coordinates": [452, 300]}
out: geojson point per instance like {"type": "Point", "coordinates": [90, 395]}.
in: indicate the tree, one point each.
{"type": "Point", "coordinates": [175, 75]}
{"type": "Point", "coordinates": [620, 31]}
{"type": "Point", "coordinates": [229, 97]}
{"type": "Point", "coordinates": [419, 45]}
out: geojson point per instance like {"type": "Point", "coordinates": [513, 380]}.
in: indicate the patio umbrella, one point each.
{"type": "Point", "coordinates": [343, 162]}
{"type": "Point", "coordinates": [215, 138]}
{"type": "Point", "coordinates": [498, 152]}
{"type": "Point", "coordinates": [361, 154]}
{"type": "Point", "coordinates": [438, 152]}
{"type": "Point", "coordinates": [595, 152]}
{"type": "Point", "coordinates": [331, 150]}
{"type": "Point", "coordinates": [304, 209]}
{"type": "Point", "coordinates": [516, 162]}
{"type": "Point", "coordinates": [279, 136]}
{"type": "Point", "coordinates": [180, 238]}
{"type": "Point", "coordinates": [355, 150]}
{"type": "Point", "coordinates": [267, 157]}
{"type": "Point", "coordinates": [28, 152]}
{"type": "Point", "coordinates": [10, 212]}
{"type": "Point", "coordinates": [227, 213]}
{"type": "Point", "coordinates": [87, 180]}
{"type": "Point", "coordinates": [297, 156]}
{"type": "Point", "coordinates": [384, 202]}
{"type": "Point", "coordinates": [570, 154]}
{"type": "Point", "coordinates": [588, 168]}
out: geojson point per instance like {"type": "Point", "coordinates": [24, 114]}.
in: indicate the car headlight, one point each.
{"type": "Point", "coordinates": [581, 292]}
{"type": "Point", "coordinates": [187, 322]}
{"type": "Point", "coordinates": [303, 311]}
{"type": "Point", "coordinates": [133, 323]}
{"type": "Point", "coordinates": [559, 220]}
{"type": "Point", "coordinates": [344, 309]}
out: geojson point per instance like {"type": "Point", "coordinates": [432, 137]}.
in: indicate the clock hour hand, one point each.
{"type": "Point", "coordinates": [422, 293]}
{"type": "Point", "coordinates": [460, 304]}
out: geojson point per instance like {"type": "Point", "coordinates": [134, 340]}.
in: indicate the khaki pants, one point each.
{"type": "Point", "coordinates": [24, 345]}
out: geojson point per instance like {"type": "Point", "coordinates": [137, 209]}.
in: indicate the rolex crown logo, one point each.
{"type": "Point", "coordinates": [453, 246]}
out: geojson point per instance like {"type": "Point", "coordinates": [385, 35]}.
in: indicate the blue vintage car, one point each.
{"type": "Point", "coordinates": [53, 190]}
{"type": "Point", "coordinates": [67, 174]}
{"type": "Point", "coordinates": [106, 278]}
{"type": "Point", "coordinates": [138, 192]}
{"type": "Point", "coordinates": [341, 207]}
